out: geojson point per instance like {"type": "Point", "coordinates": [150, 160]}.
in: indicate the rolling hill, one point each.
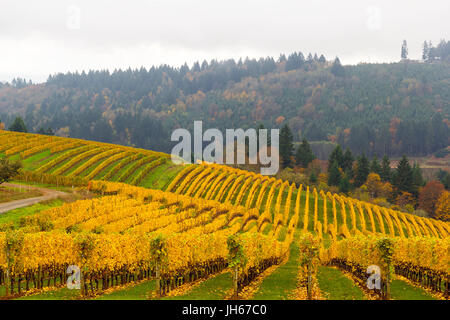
{"type": "Point", "coordinates": [187, 230]}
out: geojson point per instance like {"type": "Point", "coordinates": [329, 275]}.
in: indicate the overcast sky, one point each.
{"type": "Point", "coordinates": [38, 38]}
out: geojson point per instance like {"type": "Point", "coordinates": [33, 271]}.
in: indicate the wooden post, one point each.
{"type": "Point", "coordinates": [388, 283]}
{"type": "Point", "coordinates": [158, 281]}
{"type": "Point", "coordinates": [83, 289]}
{"type": "Point", "coordinates": [235, 282]}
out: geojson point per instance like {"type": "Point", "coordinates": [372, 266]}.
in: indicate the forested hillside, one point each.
{"type": "Point", "coordinates": [393, 109]}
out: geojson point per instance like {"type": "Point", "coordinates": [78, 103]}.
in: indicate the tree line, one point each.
{"type": "Point", "coordinates": [376, 109]}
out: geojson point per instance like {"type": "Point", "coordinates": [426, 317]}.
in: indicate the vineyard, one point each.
{"type": "Point", "coordinates": [50, 159]}
{"type": "Point", "coordinates": [113, 240]}
{"type": "Point", "coordinates": [325, 213]}
{"type": "Point", "coordinates": [152, 222]}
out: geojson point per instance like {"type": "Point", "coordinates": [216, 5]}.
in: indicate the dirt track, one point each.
{"type": "Point", "coordinates": [47, 194]}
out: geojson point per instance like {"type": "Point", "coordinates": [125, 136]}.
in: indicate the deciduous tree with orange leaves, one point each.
{"type": "Point", "coordinates": [443, 207]}
{"type": "Point", "coordinates": [430, 195]}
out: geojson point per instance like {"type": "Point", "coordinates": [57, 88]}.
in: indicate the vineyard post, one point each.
{"type": "Point", "coordinates": [158, 281]}
{"type": "Point", "coordinates": [388, 282]}
{"type": "Point", "coordinates": [235, 282]}
{"type": "Point", "coordinates": [83, 289]}
{"type": "Point", "coordinates": [8, 266]}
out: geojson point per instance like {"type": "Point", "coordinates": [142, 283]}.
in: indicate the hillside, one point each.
{"type": "Point", "coordinates": [72, 160]}
{"type": "Point", "coordinates": [395, 109]}
{"type": "Point", "coordinates": [122, 233]}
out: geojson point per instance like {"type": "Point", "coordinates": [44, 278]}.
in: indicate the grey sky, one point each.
{"type": "Point", "coordinates": [42, 37]}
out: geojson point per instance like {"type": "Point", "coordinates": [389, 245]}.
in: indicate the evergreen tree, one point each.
{"type": "Point", "coordinates": [334, 175]}
{"type": "Point", "coordinates": [375, 166]}
{"type": "Point", "coordinates": [418, 179]}
{"type": "Point", "coordinates": [286, 146]}
{"type": "Point", "coordinates": [337, 69]}
{"type": "Point", "coordinates": [403, 177]}
{"type": "Point", "coordinates": [404, 54]}
{"type": "Point", "coordinates": [18, 125]}
{"type": "Point", "coordinates": [336, 155]}
{"type": "Point", "coordinates": [426, 51]}
{"type": "Point", "coordinates": [362, 171]}
{"type": "Point", "coordinates": [444, 178]}
{"type": "Point", "coordinates": [347, 161]}
{"type": "Point", "coordinates": [304, 155]}
{"type": "Point", "coordinates": [312, 177]}
{"type": "Point", "coordinates": [385, 174]}
{"type": "Point", "coordinates": [344, 185]}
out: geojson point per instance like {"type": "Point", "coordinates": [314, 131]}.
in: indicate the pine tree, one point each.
{"type": "Point", "coordinates": [375, 166]}
{"type": "Point", "coordinates": [337, 69]}
{"type": "Point", "coordinates": [347, 162]}
{"type": "Point", "coordinates": [334, 175]}
{"type": "Point", "coordinates": [386, 174]}
{"type": "Point", "coordinates": [313, 177]}
{"type": "Point", "coordinates": [344, 185]}
{"type": "Point", "coordinates": [336, 155]}
{"type": "Point", "coordinates": [286, 146]}
{"type": "Point", "coordinates": [403, 177]}
{"type": "Point", "coordinates": [418, 179]}
{"type": "Point", "coordinates": [18, 125]}
{"type": "Point", "coordinates": [444, 178]}
{"type": "Point", "coordinates": [426, 51]}
{"type": "Point", "coordinates": [362, 171]}
{"type": "Point", "coordinates": [404, 54]}
{"type": "Point", "coordinates": [304, 155]}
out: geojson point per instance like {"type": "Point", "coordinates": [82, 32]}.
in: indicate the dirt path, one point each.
{"type": "Point", "coordinates": [47, 194]}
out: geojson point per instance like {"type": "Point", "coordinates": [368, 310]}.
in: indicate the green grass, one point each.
{"type": "Point", "coordinates": [31, 163]}
{"type": "Point", "coordinates": [140, 291]}
{"type": "Point", "coordinates": [212, 289]}
{"type": "Point", "coordinates": [334, 285]}
{"type": "Point", "coordinates": [14, 216]}
{"type": "Point", "coordinates": [280, 284]}
{"type": "Point", "coordinates": [400, 290]}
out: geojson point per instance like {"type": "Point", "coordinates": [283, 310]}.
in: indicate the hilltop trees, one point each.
{"type": "Point", "coordinates": [404, 53]}
{"type": "Point", "coordinates": [375, 109]}
{"type": "Point", "coordinates": [337, 69]}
